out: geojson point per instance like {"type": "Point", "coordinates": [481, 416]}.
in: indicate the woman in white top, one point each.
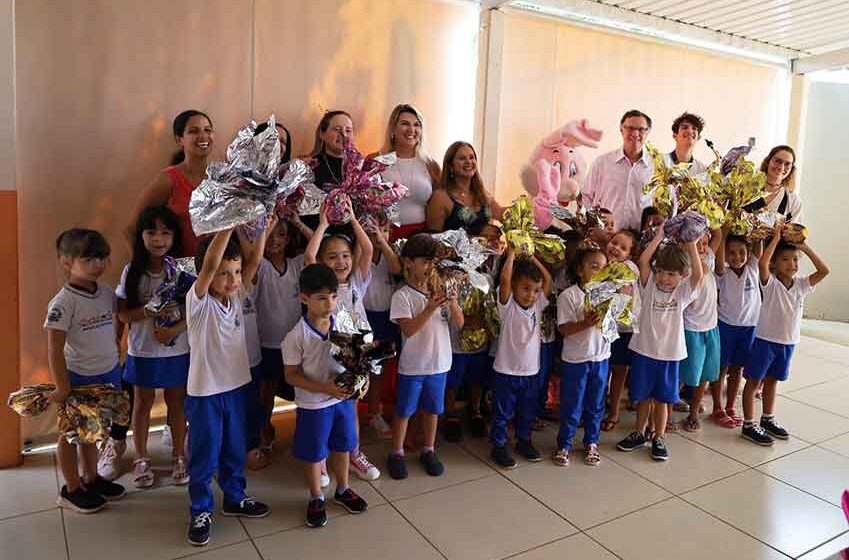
{"type": "Point", "coordinates": [414, 168]}
{"type": "Point", "coordinates": [780, 168]}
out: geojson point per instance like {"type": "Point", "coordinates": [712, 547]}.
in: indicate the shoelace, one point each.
{"type": "Point", "coordinates": [660, 443]}
{"type": "Point", "coordinates": [247, 502]}
{"type": "Point", "coordinates": [361, 461]}
{"type": "Point", "coordinates": [201, 520]}
{"type": "Point", "coordinates": [109, 452]}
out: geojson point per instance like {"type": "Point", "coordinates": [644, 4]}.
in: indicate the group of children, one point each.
{"type": "Point", "coordinates": [257, 323]}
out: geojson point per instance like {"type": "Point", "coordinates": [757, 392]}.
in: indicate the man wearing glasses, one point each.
{"type": "Point", "coordinates": [616, 179]}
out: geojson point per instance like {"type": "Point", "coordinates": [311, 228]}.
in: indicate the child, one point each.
{"type": "Point", "coordinates": [602, 235]}
{"type": "Point", "coordinates": [701, 335]}
{"type": "Point", "coordinates": [425, 355]}
{"type": "Point", "coordinates": [651, 217]}
{"type": "Point", "coordinates": [522, 298]}
{"type": "Point", "coordinates": [326, 422]}
{"type": "Point", "coordinates": [352, 264]}
{"type": "Point", "coordinates": [82, 349]}
{"type": "Point", "coordinates": [157, 356]}
{"type": "Point", "coordinates": [219, 384]}
{"type": "Point", "coordinates": [583, 375]}
{"type": "Point", "coordinates": [659, 345]}
{"type": "Point", "coordinates": [739, 306]}
{"type": "Point", "coordinates": [621, 248]}
{"type": "Point", "coordinates": [777, 332]}
{"type": "Point", "coordinates": [384, 268]}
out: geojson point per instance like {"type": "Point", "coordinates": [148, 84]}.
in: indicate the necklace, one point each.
{"type": "Point", "coordinates": [336, 180]}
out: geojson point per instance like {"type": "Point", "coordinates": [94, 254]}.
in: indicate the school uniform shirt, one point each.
{"type": "Point", "coordinates": [378, 296]}
{"type": "Point", "coordinates": [219, 361]}
{"type": "Point", "coordinates": [349, 301]}
{"type": "Point", "coordinates": [739, 300]}
{"type": "Point", "coordinates": [306, 347]}
{"type": "Point", "coordinates": [701, 314]}
{"type": "Point", "coordinates": [249, 312]}
{"type": "Point", "coordinates": [781, 310]}
{"type": "Point", "coordinates": [88, 321]}
{"type": "Point", "coordinates": [586, 346]}
{"type": "Point", "coordinates": [520, 339]}
{"type": "Point", "coordinates": [429, 350]}
{"type": "Point", "coordinates": [661, 332]}
{"type": "Point", "coordinates": [141, 341]}
{"type": "Point", "coordinates": [277, 298]}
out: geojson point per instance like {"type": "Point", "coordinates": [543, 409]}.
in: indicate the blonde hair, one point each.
{"type": "Point", "coordinates": [475, 185]}
{"type": "Point", "coordinates": [394, 117]}
{"type": "Point", "coordinates": [323, 125]}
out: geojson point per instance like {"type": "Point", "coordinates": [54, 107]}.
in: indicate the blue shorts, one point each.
{"type": "Point", "coordinates": [322, 430]}
{"type": "Point", "coordinates": [157, 373]}
{"type": "Point", "coordinates": [620, 354]}
{"type": "Point", "coordinates": [653, 379]}
{"type": "Point", "coordinates": [110, 378]}
{"type": "Point", "coordinates": [384, 329]}
{"type": "Point", "coordinates": [272, 369]}
{"type": "Point", "coordinates": [420, 391]}
{"type": "Point", "coordinates": [467, 369]}
{"type": "Point", "coordinates": [769, 358]}
{"type": "Point", "coordinates": [702, 362]}
{"type": "Point", "coordinates": [735, 344]}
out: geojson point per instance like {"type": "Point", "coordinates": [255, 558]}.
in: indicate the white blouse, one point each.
{"type": "Point", "coordinates": [413, 174]}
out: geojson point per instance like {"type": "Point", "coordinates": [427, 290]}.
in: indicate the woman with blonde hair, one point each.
{"type": "Point", "coordinates": [780, 168]}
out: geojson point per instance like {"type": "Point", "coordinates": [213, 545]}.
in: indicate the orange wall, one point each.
{"type": "Point", "coordinates": [10, 424]}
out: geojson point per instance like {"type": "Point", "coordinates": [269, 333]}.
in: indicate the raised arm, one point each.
{"type": "Point", "coordinates": [697, 271]}
{"type": "Point", "coordinates": [392, 260]}
{"type": "Point", "coordinates": [211, 260]}
{"type": "Point", "coordinates": [253, 251]}
{"type": "Point", "coordinates": [311, 252]}
{"type": "Point", "coordinates": [822, 268]}
{"type": "Point", "coordinates": [644, 262]}
{"type": "Point", "coordinates": [363, 244]}
{"type": "Point", "coordinates": [715, 240]}
{"type": "Point", "coordinates": [547, 282]}
{"type": "Point", "coordinates": [766, 255]}
{"type": "Point", "coordinates": [505, 281]}
{"type": "Point", "coordinates": [719, 264]}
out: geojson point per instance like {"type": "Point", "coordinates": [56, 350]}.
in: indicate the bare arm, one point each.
{"type": "Point", "coordinates": [547, 282]}
{"type": "Point", "coordinates": [253, 251]}
{"type": "Point", "coordinates": [311, 252]}
{"type": "Point", "coordinates": [363, 245]}
{"type": "Point", "coordinates": [719, 264]}
{"type": "Point", "coordinates": [392, 260]}
{"type": "Point", "coordinates": [697, 271]}
{"type": "Point", "coordinates": [574, 327]}
{"type": "Point", "coordinates": [766, 256]}
{"type": "Point", "coordinates": [437, 210]}
{"type": "Point", "coordinates": [58, 367]}
{"type": "Point", "coordinates": [644, 263]}
{"type": "Point", "coordinates": [456, 316]}
{"type": "Point", "coordinates": [506, 279]}
{"type": "Point", "coordinates": [295, 377]}
{"type": "Point", "coordinates": [211, 260]}
{"type": "Point", "coordinates": [296, 222]}
{"type": "Point", "coordinates": [715, 239]}
{"type": "Point", "coordinates": [822, 268]}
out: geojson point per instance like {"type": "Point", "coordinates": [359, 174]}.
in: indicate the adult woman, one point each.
{"type": "Point", "coordinates": [780, 167]}
{"type": "Point", "coordinates": [462, 202]}
{"type": "Point", "coordinates": [327, 153]}
{"type": "Point", "coordinates": [173, 186]}
{"type": "Point", "coordinates": [285, 139]}
{"type": "Point", "coordinates": [413, 168]}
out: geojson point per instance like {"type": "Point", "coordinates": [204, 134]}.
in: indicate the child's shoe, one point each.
{"type": "Point", "coordinates": [659, 452]}
{"type": "Point", "coordinates": [526, 449]}
{"type": "Point", "coordinates": [773, 428]}
{"type": "Point", "coordinates": [379, 425]}
{"type": "Point", "coordinates": [350, 501]}
{"type": "Point", "coordinates": [397, 465]}
{"type": "Point", "coordinates": [143, 476]}
{"type": "Point", "coordinates": [432, 465]}
{"type": "Point", "coordinates": [452, 431]}
{"type": "Point", "coordinates": [591, 455]}
{"type": "Point", "coordinates": [80, 500]}
{"type": "Point", "coordinates": [756, 434]}
{"type": "Point", "coordinates": [179, 471]}
{"type": "Point", "coordinates": [199, 529]}
{"type": "Point", "coordinates": [502, 457]}
{"type": "Point", "coordinates": [316, 513]}
{"type": "Point", "coordinates": [561, 458]}
{"type": "Point", "coordinates": [246, 508]}
{"type": "Point", "coordinates": [632, 441]}
{"type": "Point", "coordinates": [324, 478]}
{"type": "Point", "coordinates": [109, 491]}
{"type": "Point", "coordinates": [362, 466]}
{"type": "Point", "coordinates": [109, 461]}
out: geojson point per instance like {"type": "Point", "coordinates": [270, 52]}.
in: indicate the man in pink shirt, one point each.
{"type": "Point", "coordinates": [616, 179]}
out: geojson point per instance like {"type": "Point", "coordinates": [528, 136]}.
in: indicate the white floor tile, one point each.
{"type": "Point", "coordinates": [37, 535]}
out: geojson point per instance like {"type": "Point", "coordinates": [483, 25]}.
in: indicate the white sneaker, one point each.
{"type": "Point", "coordinates": [324, 480]}
{"type": "Point", "coordinates": [109, 461]}
{"type": "Point", "coordinates": [363, 467]}
{"type": "Point", "coordinates": [379, 425]}
{"type": "Point", "coordinates": [167, 438]}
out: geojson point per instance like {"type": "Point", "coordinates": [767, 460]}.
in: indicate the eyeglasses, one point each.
{"type": "Point", "coordinates": [639, 129]}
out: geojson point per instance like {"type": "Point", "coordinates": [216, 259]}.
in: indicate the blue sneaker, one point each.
{"type": "Point", "coordinates": [199, 529]}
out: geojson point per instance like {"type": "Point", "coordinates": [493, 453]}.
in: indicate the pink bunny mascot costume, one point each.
{"type": "Point", "coordinates": [556, 169]}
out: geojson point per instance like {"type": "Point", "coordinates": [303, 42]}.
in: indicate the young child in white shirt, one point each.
{"type": "Point", "coordinates": [325, 424]}
{"type": "Point", "coordinates": [777, 332]}
{"type": "Point", "coordinates": [523, 292]}
{"type": "Point", "coordinates": [425, 354]}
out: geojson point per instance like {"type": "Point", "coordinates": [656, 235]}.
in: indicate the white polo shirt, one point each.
{"type": "Point", "coordinates": [739, 300]}
{"type": "Point", "coordinates": [781, 310]}
{"type": "Point", "coordinates": [378, 296]}
{"type": "Point", "coordinates": [306, 347]}
{"type": "Point", "coordinates": [520, 338]}
{"type": "Point", "coordinates": [277, 298]}
{"type": "Point", "coordinates": [428, 351]}
{"type": "Point", "coordinates": [661, 332]}
{"type": "Point", "coordinates": [588, 345]}
{"type": "Point", "coordinates": [701, 314]}
{"type": "Point", "coordinates": [249, 312]}
{"type": "Point", "coordinates": [350, 297]}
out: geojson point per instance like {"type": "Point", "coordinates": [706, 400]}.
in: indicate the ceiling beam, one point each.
{"type": "Point", "coordinates": [494, 4]}
{"type": "Point", "coordinates": [825, 61]}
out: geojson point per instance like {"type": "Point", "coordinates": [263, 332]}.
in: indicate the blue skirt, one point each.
{"type": "Point", "coordinates": [157, 373]}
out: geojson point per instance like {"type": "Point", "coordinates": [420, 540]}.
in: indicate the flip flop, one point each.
{"type": "Point", "coordinates": [608, 425]}
{"type": "Point", "coordinates": [722, 419]}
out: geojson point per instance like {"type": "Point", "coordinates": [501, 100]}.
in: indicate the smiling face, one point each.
{"type": "Point", "coordinates": [634, 131]}
{"type": "Point", "coordinates": [667, 280]}
{"type": "Point", "coordinates": [227, 279]}
{"type": "Point", "coordinates": [158, 240]}
{"type": "Point", "coordinates": [340, 127]}
{"type": "Point", "coordinates": [407, 131]}
{"type": "Point", "coordinates": [687, 136]}
{"type": "Point", "coordinates": [465, 162]}
{"type": "Point", "coordinates": [277, 239]}
{"type": "Point", "coordinates": [620, 247]}
{"type": "Point", "coordinates": [335, 253]}
{"type": "Point", "coordinates": [779, 167]}
{"type": "Point", "coordinates": [737, 254]}
{"type": "Point", "coordinates": [198, 137]}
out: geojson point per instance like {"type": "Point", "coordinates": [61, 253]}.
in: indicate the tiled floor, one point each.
{"type": "Point", "coordinates": [718, 496]}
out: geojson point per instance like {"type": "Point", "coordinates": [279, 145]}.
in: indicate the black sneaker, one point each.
{"type": "Point", "coordinates": [316, 513]}
{"type": "Point", "coordinates": [350, 501]}
{"type": "Point", "coordinates": [451, 430]}
{"type": "Point", "coordinates": [107, 490]}
{"type": "Point", "coordinates": [246, 508]}
{"type": "Point", "coordinates": [774, 429]}
{"type": "Point", "coordinates": [526, 449]}
{"type": "Point", "coordinates": [501, 455]}
{"type": "Point", "coordinates": [82, 501]}
{"type": "Point", "coordinates": [756, 434]}
{"type": "Point", "coordinates": [397, 466]}
{"type": "Point", "coordinates": [659, 452]}
{"type": "Point", "coordinates": [433, 466]}
{"type": "Point", "coordinates": [633, 441]}
{"type": "Point", "coordinates": [477, 426]}
{"type": "Point", "coordinates": [199, 529]}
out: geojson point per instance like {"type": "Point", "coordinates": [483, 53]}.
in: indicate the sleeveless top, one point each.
{"type": "Point", "coordinates": [466, 217]}
{"type": "Point", "coordinates": [327, 171]}
{"type": "Point", "coordinates": [178, 202]}
{"type": "Point", "coordinates": [413, 174]}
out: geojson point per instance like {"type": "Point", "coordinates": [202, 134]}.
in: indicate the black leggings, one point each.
{"type": "Point", "coordinates": [119, 431]}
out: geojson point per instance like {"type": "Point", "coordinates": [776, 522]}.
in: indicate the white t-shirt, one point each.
{"type": "Point", "coordinates": [586, 346]}
{"type": "Point", "coordinates": [249, 312]}
{"type": "Point", "coordinates": [739, 301]}
{"type": "Point", "coordinates": [219, 360]}
{"type": "Point", "coordinates": [781, 310]}
{"type": "Point", "coordinates": [350, 297]}
{"type": "Point", "coordinates": [520, 338]}
{"type": "Point", "coordinates": [661, 332]}
{"type": "Point", "coordinates": [277, 298]}
{"type": "Point", "coordinates": [429, 350]}
{"type": "Point", "coordinates": [413, 174]}
{"type": "Point", "coordinates": [379, 292]}
{"type": "Point", "coordinates": [694, 167]}
{"type": "Point", "coordinates": [306, 347]}
{"type": "Point", "coordinates": [701, 314]}
{"type": "Point", "coordinates": [88, 321]}
{"type": "Point", "coordinates": [141, 341]}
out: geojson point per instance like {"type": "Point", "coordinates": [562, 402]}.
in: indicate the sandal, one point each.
{"type": "Point", "coordinates": [723, 420]}
{"type": "Point", "coordinates": [738, 420]}
{"type": "Point", "coordinates": [671, 426]}
{"type": "Point", "coordinates": [691, 424]}
{"type": "Point", "coordinates": [143, 476]}
{"type": "Point", "coordinates": [608, 425]}
{"type": "Point", "coordinates": [592, 456]}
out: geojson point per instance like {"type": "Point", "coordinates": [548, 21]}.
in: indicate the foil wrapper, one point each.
{"type": "Point", "coordinates": [248, 185]}
{"type": "Point", "coordinates": [685, 227]}
{"type": "Point", "coordinates": [482, 321]}
{"type": "Point", "coordinates": [84, 417]}
{"type": "Point", "coordinates": [179, 274]}
{"type": "Point", "coordinates": [467, 254]}
{"type": "Point", "coordinates": [794, 234]}
{"type": "Point", "coordinates": [605, 299]}
{"type": "Point", "coordinates": [360, 357]}
{"type": "Point", "coordinates": [525, 238]}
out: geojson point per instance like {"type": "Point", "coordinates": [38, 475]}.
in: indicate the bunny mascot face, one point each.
{"type": "Point", "coordinates": [556, 169]}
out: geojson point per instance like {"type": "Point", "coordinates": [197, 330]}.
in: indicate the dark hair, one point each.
{"type": "Point", "coordinates": [788, 181]}
{"type": "Point", "coordinates": [286, 156]}
{"type": "Point", "coordinates": [581, 255]}
{"type": "Point", "coordinates": [672, 258]}
{"type": "Point", "coordinates": [634, 113]}
{"type": "Point", "coordinates": [475, 185]}
{"type": "Point", "coordinates": [635, 239]}
{"type": "Point", "coordinates": [81, 243]}
{"type": "Point", "coordinates": [692, 119]}
{"type": "Point", "coordinates": [323, 125]}
{"type": "Point", "coordinates": [783, 247]}
{"type": "Point", "coordinates": [476, 229]}
{"type": "Point", "coordinates": [420, 245]}
{"type": "Point", "coordinates": [335, 235]}
{"type": "Point", "coordinates": [648, 212]}
{"type": "Point", "coordinates": [316, 278]}
{"type": "Point", "coordinates": [737, 239]}
{"type": "Point", "coordinates": [525, 268]}
{"type": "Point", "coordinates": [179, 128]}
{"type": "Point", "coordinates": [232, 252]}
{"type": "Point", "coordinates": [141, 257]}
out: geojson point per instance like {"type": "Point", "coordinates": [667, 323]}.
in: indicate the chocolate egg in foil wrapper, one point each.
{"type": "Point", "coordinates": [361, 357]}
{"type": "Point", "coordinates": [525, 238]}
{"type": "Point", "coordinates": [605, 299]}
{"type": "Point", "coordinates": [794, 234]}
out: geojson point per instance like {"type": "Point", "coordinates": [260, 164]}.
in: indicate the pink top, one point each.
{"type": "Point", "coordinates": [178, 202]}
{"type": "Point", "coordinates": [616, 184]}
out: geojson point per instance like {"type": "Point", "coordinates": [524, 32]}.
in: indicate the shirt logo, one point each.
{"type": "Point", "coordinates": [749, 285]}
{"type": "Point", "coordinates": [55, 315]}
{"type": "Point", "coordinates": [665, 306]}
{"type": "Point", "coordinates": [102, 320]}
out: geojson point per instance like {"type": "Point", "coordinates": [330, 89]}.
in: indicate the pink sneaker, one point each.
{"type": "Point", "coordinates": [362, 466]}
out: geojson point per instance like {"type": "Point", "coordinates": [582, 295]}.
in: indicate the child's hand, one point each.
{"type": "Point", "coordinates": [334, 391]}
{"type": "Point", "coordinates": [272, 222]}
{"type": "Point", "coordinates": [627, 290]}
{"type": "Point", "coordinates": [590, 319]}
{"type": "Point", "coordinates": [59, 396]}
{"type": "Point", "coordinates": [322, 215]}
{"type": "Point", "coordinates": [435, 303]}
{"type": "Point", "coordinates": [164, 335]}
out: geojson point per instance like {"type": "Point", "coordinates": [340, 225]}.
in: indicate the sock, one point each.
{"type": "Point", "coordinates": [767, 417]}
{"type": "Point", "coordinates": [340, 489]}
{"type": "Point", "coordinates": [426, 449]}
{"type": "Point", "coordinates": [319, 496]}
{"type": "Point", "coordinates": [748, 422]}
{"type": "Point", "coordinates": [398, 453]}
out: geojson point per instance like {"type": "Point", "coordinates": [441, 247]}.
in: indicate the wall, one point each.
{"type": "Point", "coordinates": [824, 188]}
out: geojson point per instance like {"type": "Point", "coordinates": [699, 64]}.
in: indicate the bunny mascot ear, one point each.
{"type": "Point", "coordinates": [579, 133]}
